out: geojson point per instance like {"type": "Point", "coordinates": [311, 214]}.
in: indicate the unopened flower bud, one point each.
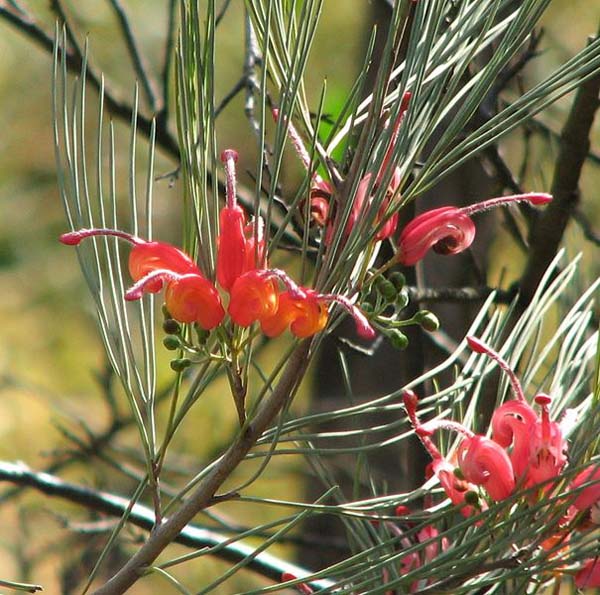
{"type": "Point", "coordinates": [179, 365]}
{"type": "Point", "coordinates": [398, 339]}
{"type": "Point", "coordinates": [171, 342]}
{"type": "Point", "coordinates": [387, 289]}
{"type": "Point", "coordinates": [171, 327]}
{"type": "Point", "coordinates": [367, 307]}
{"type": "Point", "coordinates": [398, 279]}
{"type": "Point", "coordinates": [402, 299]}
{"type": "Point", "coordinates": [428, 321]}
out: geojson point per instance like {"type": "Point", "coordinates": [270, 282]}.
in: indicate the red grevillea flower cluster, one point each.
{"type": "Point", "coordinates": [256, 294]}
{"type": "Point", "coordinates": [526, 449]}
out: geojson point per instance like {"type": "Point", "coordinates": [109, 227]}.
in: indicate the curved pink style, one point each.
{"type": "Point", "coordinates": [446, 230]}
{"type": "Point", "coordinates": [485, 463]}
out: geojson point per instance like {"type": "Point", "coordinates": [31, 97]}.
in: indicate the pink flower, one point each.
{"type": "Point", "coordinates": [450, 230]}
{"type": "Point", "coordinates": [590, 495]}
{"type": "Point", "coordinates": [589, 575]}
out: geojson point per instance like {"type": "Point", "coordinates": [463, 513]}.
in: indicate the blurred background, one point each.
{"type": "Point", "coordinates": [52, 363]}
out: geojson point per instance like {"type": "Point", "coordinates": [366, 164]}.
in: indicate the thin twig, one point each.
{"type": "Point", "coordinates": [141, 516]}
{"type": "Point", "coordinates": [148, 84]}
{"type": "Point", "coordinates": [119, 108]}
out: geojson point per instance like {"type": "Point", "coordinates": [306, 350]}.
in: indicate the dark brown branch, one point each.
{"type": "Point", "coordinates": [459, 294]}
{"type": "Point", "coordinates": [548, 231]}
{"type": "Point", "coordinates": [141, 516]}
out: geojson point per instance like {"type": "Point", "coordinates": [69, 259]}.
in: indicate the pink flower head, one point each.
{"type": "Point", "coordinates": [450, 230]}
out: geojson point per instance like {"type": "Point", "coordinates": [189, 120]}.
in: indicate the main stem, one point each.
{"type": "Point", "coordinates": [201, 497]}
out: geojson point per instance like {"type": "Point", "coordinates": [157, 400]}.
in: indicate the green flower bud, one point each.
{"type": "Point", "coordinates": [171, 327]}
{"type": "Point", "coordinates": [402, 299]}
{"type": "Point", "coordinates": [398, 279]}
{"type": "Point", "coordinates": [397, 338]}
{"type": "Point", "coordinates": [428, 321]}
{"type": "Point", "coordinates": [387, 290]}
{"type": "Point", "coordinates": [179, 365]}
{"type": "Point", "coordinates": [171, 342]}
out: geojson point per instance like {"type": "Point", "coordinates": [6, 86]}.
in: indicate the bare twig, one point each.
{"type": "Point", "coordinates": [141, 516]}
{"type": "Point", "coordinates": [584, 223]}
{"type": "Point", "coordinates": [25, 23]}
{"type": "Point", "coordinates": [548, 231]}
{"type": "Point", "coordinates": [148, 84]}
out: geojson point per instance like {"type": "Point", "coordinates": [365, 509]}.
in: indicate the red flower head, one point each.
{"type": "Point", "coordinates": [590, 495]}
{"type": "Point", "coordinates": [304, 315]}
{"type": "Point", "coordinates": [538, 445]}
{"type": "Point", "coordinates": [190, 297]}
{"type": "Point", "coordinates": [450, 230]}
{"type": "Point", "coordinates": [253, 297]}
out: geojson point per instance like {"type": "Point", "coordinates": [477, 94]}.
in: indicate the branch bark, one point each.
{"type": "Point", "coordinates": [170, 528]}
{"type": "Point", "coordinates": [141, 516]}
{"type": "Point", "coordinates": [548, 231]}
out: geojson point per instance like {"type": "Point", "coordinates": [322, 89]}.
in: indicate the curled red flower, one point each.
{"type": "Point", "coordinates": [304, 316]}
{"type": "Point", "coordinates": [253, 297]}
{"type": "Point", "coordinates": [450, 230]}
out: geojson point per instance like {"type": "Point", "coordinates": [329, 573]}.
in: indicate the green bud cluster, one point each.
{"type": "Point", "coordinates": [180, 364]}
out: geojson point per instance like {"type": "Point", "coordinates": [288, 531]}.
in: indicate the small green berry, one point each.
{"type": "Point", "coordinates": [171, 327]}
{"type": "Point", "coordinates": [171, 343]}
{"type": "Point", "coordinates": [398, 339]}
{"type": "Point", "coordinates": [387, 290]}
{"type": "Point", "coordinates": [458, 473]}
{"type": "Point", "coordinates": [428, 321]}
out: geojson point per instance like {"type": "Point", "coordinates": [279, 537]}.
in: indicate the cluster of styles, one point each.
{"type": "Point", "coordinates": [526, 451]}
{"type": "Point", "coordinates": [267, 296]}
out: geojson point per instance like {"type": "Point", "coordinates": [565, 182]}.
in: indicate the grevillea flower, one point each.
{"type": "Point", "coordinates": [456, 488]}
{"type": "Point", "coordinates": [538, 446]}
{"type": "Point", "coordinates": [305, 312]}
{"type": "Point", "coordinates": [450, 230]}
{"type": "Point", "coordinates": [231, 250]}
{"type": "Point", "coordinates": [589, 496]}
{"type": "Point", "coordinates": [253, 297]}
{"type": "Point", "coordinates": [189, 296]}
{"type": "Point", "coordinates": [484, 463]}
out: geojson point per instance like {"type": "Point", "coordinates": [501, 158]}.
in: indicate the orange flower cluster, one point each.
{"type": "Point", "coordinates": [255, 292]}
